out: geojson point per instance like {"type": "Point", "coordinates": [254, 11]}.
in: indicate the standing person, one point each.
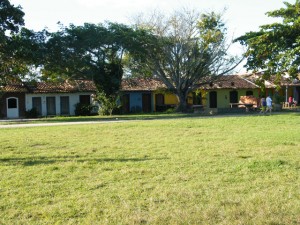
{"type": "Point", "coordinates": [291, 102]}
{"type": "Point", "coordinates": [269, 104]}
{"type": "Point", "coordinates": [263, 104]}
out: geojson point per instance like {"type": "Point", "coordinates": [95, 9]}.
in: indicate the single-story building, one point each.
{"type": "Point", "coordinates": [288, 87]}
{"type": "Point", "coordinates": [142, 95]}
{"type": "Point", "coordinates": [223, 93]}
{"type": "Point", "coordinates": [48, 98]}
{"type": "Point", "coordinates": [145, 95]}
{"type": "Point", "coordinates": [151, 95]}
{"type": "Point", "coordinates": [220, 93]}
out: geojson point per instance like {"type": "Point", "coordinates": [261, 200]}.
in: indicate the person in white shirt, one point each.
{"type": "Point", "coordinates": [269, 104]}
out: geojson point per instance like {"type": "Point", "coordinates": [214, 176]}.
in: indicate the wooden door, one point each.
{"type": "Point", "coordinates": [233, 97]}
{"type": "Point", "coordinates": [146, 102]}
{"type": "Point", "coordinates": [159, 102]}
{"type": "Point", "coordinates": [51, 106]}
{"type": "Point", "coordinates": [64, 105]}
{"type": "Point", "coordinates": [37, 104]}
{"type": "Point", "coordinates": [12, 107]}
{"type": "Point", "coordinates": [213, 99]}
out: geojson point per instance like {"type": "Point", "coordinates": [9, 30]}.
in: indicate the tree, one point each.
{"type": "Point", "coordinates": [11, 20]}
{"type": "Point", "coordinates": [184, 48]}
{"type": "Point", "coordinates": [89, 51]}
{"type": "Point", "coordinates": [275, 48]}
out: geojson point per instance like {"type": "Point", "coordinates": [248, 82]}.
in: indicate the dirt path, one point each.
{"type": "Point", "coordinates": [55, 124]}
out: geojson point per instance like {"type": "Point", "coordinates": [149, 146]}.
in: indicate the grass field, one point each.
{"type": "Point", "coordinates": [221, 170]}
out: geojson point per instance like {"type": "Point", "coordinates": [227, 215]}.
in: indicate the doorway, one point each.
{"type": "Point", "coordinates": [12, 104]}
{"type": "Point", "coordinates": [125, 100]}
{"type": "Point", "coordinates": [146, 102]}
{"type": "Point", "coordinates": [213, 99]}
{"type": "Point", "coordinates": [159, 102]}
{"type": "Point", "coordinates": [64, 105]}
{"type": "Point", "coordinates": [37, 104]}
{"type": "Point", "coordinates": [233, 97]}
{"type": "Point", "coordinates": [51, 106]}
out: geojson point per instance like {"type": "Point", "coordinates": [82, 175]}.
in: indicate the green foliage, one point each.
{"type": "Point", "coordinates": [32, 113]}
{"type": "Point", "coordinates": [108, 103]}
{"type": "Point", "coordinates": [170, 110]}
{"type": "Point", "coordinates": [82, 109]}
{"type": "Point", "coordinates": [90, 51]}
{"type": "Point", "coordinates": [275, 48]}
{"type": "Point", "coordinates": [21, 50]}
{"type": "Point", "coordinates": [183, 48]}
{"type": "Point", "coordinates": [212, 28]}
{"type": "Point", "coordinates": [278, 99]}
{"type": "Point", "coordinates": [11, 20]}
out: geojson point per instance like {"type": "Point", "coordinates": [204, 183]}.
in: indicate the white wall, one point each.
{"type": "Point", "coordinates": [73, 99]}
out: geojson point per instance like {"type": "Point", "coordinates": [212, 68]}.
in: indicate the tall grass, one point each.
{"type": "Point", "coordinates": [227, 170]}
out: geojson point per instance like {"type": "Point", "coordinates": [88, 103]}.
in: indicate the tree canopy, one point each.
{"type": "Point", "coordinates": [185, 47]}
{"type": "Point", "coordinates": [89, 51]}
{"type": "Point", "coordinates": [11, 20]}
{"type": "Point", "coordinates": [275, 48]}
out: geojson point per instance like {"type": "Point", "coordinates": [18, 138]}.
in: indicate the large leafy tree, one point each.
{"type": "Point", "coordinates": [11, 20]}
{"type": "Point", "coordinates": [185, 47]}
{"type": "Point", "coordinates": [93, 51]}
{"type": "Point", "coordinates": [275, 48]}
{"type": "Point", "coordinates": [21, 49]}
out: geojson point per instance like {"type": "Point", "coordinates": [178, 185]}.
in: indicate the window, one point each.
{"type": "Point", "coordinates": [12, 103]}
{"type": "Point", "coordinates": [249, 93]}
{"type": "Point", "coordinates": [85, 99]}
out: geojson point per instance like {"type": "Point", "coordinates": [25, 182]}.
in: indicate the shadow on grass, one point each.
{"type": "Point", "coordinates": [27, 161]}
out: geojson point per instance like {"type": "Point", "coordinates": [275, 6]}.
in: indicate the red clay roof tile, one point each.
{"type": "Point", "coordinates": [141, 84]}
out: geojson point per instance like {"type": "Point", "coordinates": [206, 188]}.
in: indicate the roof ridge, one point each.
{"type": "Point", "coordinates": [248, 81]}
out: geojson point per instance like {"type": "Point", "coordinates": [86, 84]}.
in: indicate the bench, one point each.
{"type": "Point", "coordinates": [287, 105]}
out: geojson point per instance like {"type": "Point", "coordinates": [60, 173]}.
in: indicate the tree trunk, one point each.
{"type": "Point", "coordinates": [182, 104]}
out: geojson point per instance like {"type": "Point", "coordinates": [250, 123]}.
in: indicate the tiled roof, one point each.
{"type": "Point", "coordinates": [229, 82]}
{"type": "Point", "coordinates": [52, 87]}
{"type": "Point", "coordinates": [273, 80]}
{"type": "Point", "coordinates": [141, 84]}
{"type": "Point", "coordinates": [224, 82]}
{"type": "Point", "coordinates": [14, 88]}
{"type": "Point", "coordinates": [65, 87]}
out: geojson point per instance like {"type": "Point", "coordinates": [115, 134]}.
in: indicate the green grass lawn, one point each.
{"type": "Point", "coordinates": [221, 170]}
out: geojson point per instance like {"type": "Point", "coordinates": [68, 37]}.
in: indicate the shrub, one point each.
{"type": "Point", "coordinates": [32, 113]}
{"type": "Point", "coordinates": [170, 110]}
{"type": "Point", "coordinates": [108, 103]}
{"type": "Point", "coordinates": [83, 109]}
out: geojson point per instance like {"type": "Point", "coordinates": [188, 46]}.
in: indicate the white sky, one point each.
{"type": "Point", "coordinates": [241, 16]}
